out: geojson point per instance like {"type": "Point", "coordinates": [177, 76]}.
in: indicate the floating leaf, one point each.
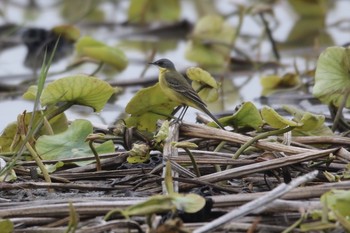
{"type": "Point", "coordinates": [246, 116]}
{"type": "Point", "coordinates": [304, 33]}
{"type": "Point", "coordinates": [310, 9]}
{"type": "Point", "coordinates": [271, 83]}
{"type": "Point", "coordinates": [332, 80]}
{"type": "Point", "coordinates": [189, 203]}
{"type": "Point", "coordinates": [89, 47]}
{"type": "Point", "coordinates": [148, 11]}
{"type": "Point", "coordinates": [275, 120]}
{"type": "Point", "coordinates": [203, 55]}
{"type": "Point", "coordinates": [204, 82]}
{"type": "Point", "coordinates": [147, 106]}
{"type": "Point", "coordinates": [69, 32]}
{"type": "Point", "coordinates": [51, 168]}
{"type": "Point", "coordinates": [70, 143]}
{"type": "Point", "coordinates": [155, 204]}
{"type": "Point", "coordinates": [210, 41]}
{"type": "Point", "coordinates": [74, 11]}
{"type": "Point", "coordinates": [313, 125]}
{"type": "Point", "coordinates": [58, 124]}
{"type": "Point", "coordinates": [201, 76]}
{"type": "Point", "coordinates": [145, 46]}
{"type": "Point", "coordinates": [30, 94]}
{"type": "Point", "coordinates": [79, 89]}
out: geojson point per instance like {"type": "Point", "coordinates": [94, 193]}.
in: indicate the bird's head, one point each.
{"type": "Point", "coordinates": [164, 63]}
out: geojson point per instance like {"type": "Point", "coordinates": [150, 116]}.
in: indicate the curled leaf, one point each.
{"type": "Point", "coordinates": [332, 82]}
{"type": "Point", "coordinates": [68, 32]}
{"type": "Point", "coordinates": [184, 144]}
{"type": "Point", "coordinates": [79, 89]}
{"type": "Point", "coordinates": [147, 11]}
{"type": "Point", "coordinates": [147, 107]}
{"type": "Point", "coordinates": [204, 83]}
{"type": "Point", "coordinates": [275, 120]}
{"type": "Point", "coordinates": [89, 47]}
{"type": "Point", "coordinates": [163, 132]}
{"type": "Point", "coordinates": [210, 41]}
{"type": "Point", "coordinates": [247, 116]}
{"type": "Point", "coordinates": [71, 143]}
{"type": "Point", "coordinates": [139, 153]}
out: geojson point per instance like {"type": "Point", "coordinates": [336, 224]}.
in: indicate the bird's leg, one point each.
{"type": "Point", "coordinates": [183, 112]}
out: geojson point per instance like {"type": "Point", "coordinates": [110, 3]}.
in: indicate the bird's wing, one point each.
{"type": "Point", "coordinates": [180, 85]}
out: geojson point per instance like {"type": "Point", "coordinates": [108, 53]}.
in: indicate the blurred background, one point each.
{"type": "Point", "coordinates": [245, 45]}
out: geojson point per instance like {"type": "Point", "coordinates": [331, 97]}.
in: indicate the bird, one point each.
{"type": "Point", "coordinates": [175, 86]}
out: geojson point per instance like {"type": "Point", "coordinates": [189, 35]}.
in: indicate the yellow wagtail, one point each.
{"type": "Point", "coordinates": [175, 86]}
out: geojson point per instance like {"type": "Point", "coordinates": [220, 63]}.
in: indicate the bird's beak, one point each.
{"type": "Point", "coordinates": [151, 63]}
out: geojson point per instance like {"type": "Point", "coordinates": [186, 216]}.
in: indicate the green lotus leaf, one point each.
{"type": "Point", "coordinates": [275, 120]}
{"type": "Point", "coordinates": [162, 46]}
{"type": "Point", "coordinates": [30, 94]}
{"type": "Point", "coordinates": [199, 75]}
{"type": "Point", "coordinates": [214, 28]}
{"type": "Point", "coordinates": [204, 82]}
{"type": "Point", "coordinates": [271, 83]}
{"type": "Point", "coordinates": [332, 78]}
{"type": "Point", "coordinates": [204, 55]}
{"type": "Point", "coordinates": [51, 168]}
{"type": "Point", "coordinates": [74, 11]}
{"type": "Point", "coordinates": [7, 137]}
{"type": "Point", "coordinates": [89, 47]}
{"type": "Point", "coordinates": [154, 204]}
{"type": "Point", "coordinates": [148, 11]}
{"type": "Point", "coordinates": [189, 203]}
{"type": "Point", "coordinates": [247, 116]}
{"type": "Point", "coordinates": [58, 124]}
{"type": "Point", "coordinates": [162, 133]}
{"type": "Point", "coordinates": [337, 201]}
{"type": "Point", "coordinates": [310, 9]}
{"type": "Point", "coordinates": [68, 32]}
{"type": "Point", "coordinates": [147, 106]}
{"type": "Point", "coordinates": [210, 41]}
{"type": "Point", "coordinates": [313, 124]}
{"type": "Point", "coordinates": [71, 143]}
{"type": "Point", "coordinates": [79, 89]}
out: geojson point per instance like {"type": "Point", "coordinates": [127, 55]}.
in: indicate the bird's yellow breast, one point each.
{"type": "Point", "coordinates": [167, 90]}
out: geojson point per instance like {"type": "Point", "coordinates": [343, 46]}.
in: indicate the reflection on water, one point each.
{"type": "Point", "coordinates": [23, 25]}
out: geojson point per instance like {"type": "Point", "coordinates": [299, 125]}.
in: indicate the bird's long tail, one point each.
{"type": "Point", "coordinates": [204, 109]}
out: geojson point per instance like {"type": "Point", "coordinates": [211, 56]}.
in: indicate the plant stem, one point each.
{"type": "Point", "coordinates": [194, 163]}
{"type": "Point", "coordinates": [260, 136]}
{"type": "Point", "coordinates": [50, 115]}
{"type": "Point", "coordinates": [217, 149]}
{"type": "Point", "coordinates": [99, 67]}
{"type": "Point", "coordinates": [340, 111]}
{"type": "Point", "coordinates": [97, 158]}
{"type": "Point", "coordinates": [35, 156]}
